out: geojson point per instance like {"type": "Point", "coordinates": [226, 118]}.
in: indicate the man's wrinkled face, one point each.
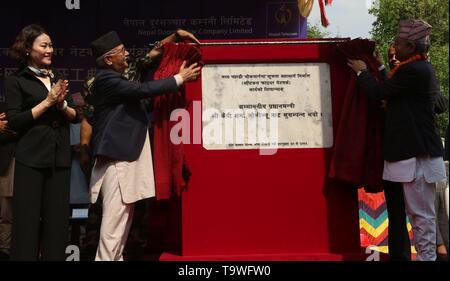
{"type": "Point", "coordinates": [117, 58]}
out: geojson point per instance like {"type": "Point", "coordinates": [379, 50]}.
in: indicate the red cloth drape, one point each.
{"type": "Point", "coordinates": [305, 7]}
{"type": "Point", "coordinates": [357, 155]}
{"type": "Point", "coordinates": [170, 165]}
{"type": "Point", "coordinates": [323, 15]}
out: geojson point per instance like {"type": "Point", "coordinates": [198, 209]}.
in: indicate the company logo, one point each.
{"type": "Point", "coordinates": [283, 15]}
{"type": "Point", "coordinates": [282, 20]}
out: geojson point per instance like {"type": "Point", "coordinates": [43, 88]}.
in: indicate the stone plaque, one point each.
{"type": "Point", "coordinates": [274, 105]}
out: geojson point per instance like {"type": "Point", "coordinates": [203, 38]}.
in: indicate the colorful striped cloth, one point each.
{"type": "Point", "coordinates": [373, 221]}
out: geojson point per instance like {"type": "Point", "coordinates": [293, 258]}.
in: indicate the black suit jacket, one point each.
{"type": "Point", "coordinates": [7, 144]}
{"type": "Point", "coordinates": [44, 142]}
{"type": "Point", "coordinates": [410, 121]}
{"type": "Point", "coordinates": [120, 121]}
{"type": "Point", "coordinates": [6, 147]}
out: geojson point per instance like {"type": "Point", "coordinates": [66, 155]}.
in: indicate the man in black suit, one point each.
{"type": "Point", "coordinates": [399, 244]}
{"type": "Point", "coordinates": [123, 170]}
{"type": "Point", "coordinates": [412, 147]}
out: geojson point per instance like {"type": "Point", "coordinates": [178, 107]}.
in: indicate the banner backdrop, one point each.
{"type": "Point", "coordinates": [73, 24]}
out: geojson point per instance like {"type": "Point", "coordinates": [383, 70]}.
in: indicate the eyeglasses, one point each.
{"type": "Point", "coordinates": [113, 53]}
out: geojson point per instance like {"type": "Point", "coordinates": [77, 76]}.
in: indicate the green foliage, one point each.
{"type": "Point", "coordinates": [390, 12]}
{"type": "Point", "coordinates": [315, 31]}
{"type": "Point", "coordinates": [439, 58]}
{"type": "Point", "coordinates": [435, 12]}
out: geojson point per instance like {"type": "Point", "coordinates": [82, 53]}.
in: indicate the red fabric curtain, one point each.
{"type": "Point", "coordinates": [323, 15]}
{"type": "Point", "coordinates": [170, 166]}
{"type": "Point", "coordinates": [357, 155]}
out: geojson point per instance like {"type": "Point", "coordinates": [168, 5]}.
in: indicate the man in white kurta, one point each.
{"type": "Point", "coordinates": [123, 170]}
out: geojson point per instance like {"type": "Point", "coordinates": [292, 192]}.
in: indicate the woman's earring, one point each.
{"type": "Point", "coordinates": [28, 54]}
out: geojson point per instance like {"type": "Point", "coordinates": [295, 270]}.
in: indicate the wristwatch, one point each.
{"type": "Point", "coordinates": [361, 71]}
{"type": "Point", "coordinates": [62, 107]}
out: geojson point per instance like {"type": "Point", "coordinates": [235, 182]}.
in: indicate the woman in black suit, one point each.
{"type": "Point", "coordinates": [38, 111]}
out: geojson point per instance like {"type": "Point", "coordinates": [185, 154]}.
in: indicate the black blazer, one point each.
{"type": "Point", "coordinates": [6, 147]}
{"type": "Point", "coordinates": [6, 154]}
{"type": "Point", "coordinates": [44, 142]}
{"type": "Point", "coordinates": [120, 121]}
{"type": "Point", "coordinates": [410, 120]}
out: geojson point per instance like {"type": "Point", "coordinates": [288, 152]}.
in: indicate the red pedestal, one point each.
{"type": "Point", "coordinates": [244, 206]}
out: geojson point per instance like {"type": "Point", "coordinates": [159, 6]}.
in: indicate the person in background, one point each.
{"type": "Point", "coordinates": [442, 225]}
{"type": "Point", "coordinates": [7, 143]}
{"type": "Point", "coordinates": [79, 192]}
{"type": "Point", "coordinates": [40, 111]}
{"type": "Point", "coordinates": [399, 244]}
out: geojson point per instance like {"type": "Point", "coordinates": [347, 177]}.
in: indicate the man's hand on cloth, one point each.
{"type": "Point", "coordinates": [189, 73]}
{"type": "Point", "coordinates": [186, 35]}
{"type": "Point", "coordinates": [179, 35]}
{"type": "Point", "coordinates": [357, 65]}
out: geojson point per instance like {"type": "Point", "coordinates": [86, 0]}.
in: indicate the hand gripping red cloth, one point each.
{"type": "Point", "coordinates": [357, 155]}
{"type": "Point", "coordinates": [170, 165]}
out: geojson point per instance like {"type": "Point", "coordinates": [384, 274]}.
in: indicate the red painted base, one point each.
{"type": "Point", "coordinates": [274, 257]}
{"type": "Point", "coordinates": [243, 206]}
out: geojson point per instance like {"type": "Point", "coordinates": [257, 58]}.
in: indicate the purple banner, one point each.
{"type": "Point", "coordinates": [74, 24]}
